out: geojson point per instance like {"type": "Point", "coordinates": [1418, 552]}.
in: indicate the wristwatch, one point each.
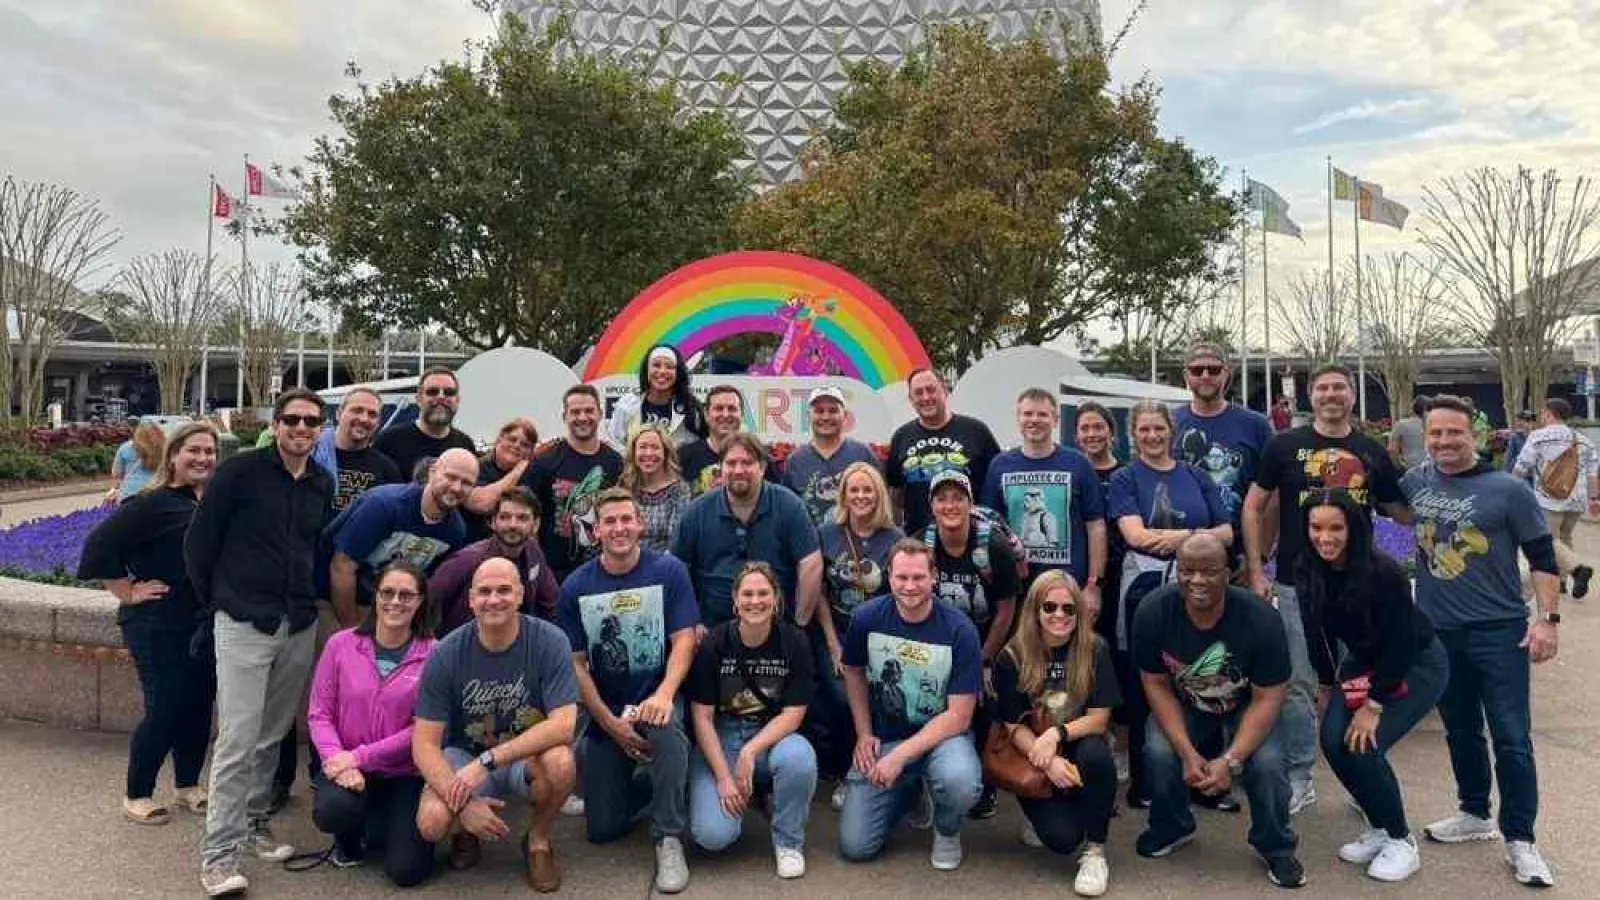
{"type": "Point", "coordinates": [1061, 732]}
{"type": "Point", "coordinates": [1235, 765]}
{"type": "Point", "coordinates": [486, 759]}
{"type": "Point", "coordinates": [1553, 618]}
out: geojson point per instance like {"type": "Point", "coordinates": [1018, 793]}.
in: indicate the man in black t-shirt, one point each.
{"type": "Point", "coordinates": [438, 398]}
{"type": "Point", "coordinates": [937, 440]}
{"type": "Point", "coordinates": [568, 478]}
{"type": "Point", "coordinates": [1328, 453]}
{"type": "Point", "coordinates": [1213, 661]}
{"type": "Point", "coordinates": [701, 459]}
{"type": "Point", "coordinates": [358, 466]}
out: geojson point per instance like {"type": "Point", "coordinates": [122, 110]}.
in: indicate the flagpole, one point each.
{"type": "Point", "coordinates": [244, 274]}
{"type": "Point", "coordinates": [1361, 343]}
{"type": "Point", "coordinates": [1244, 298]}
{"type": "Point", "coordinates": [330, 347]}
{"type": "Point", "coordinates": [205, 332]}
{"type": "Point", "coordinates": [1330, 237]}
{"type": "Point", "coordinates": [385, 374]}
{"type": "Point", "coordinates": [1266, 319]}
{"type": "Point", "coordinates": [300, 349]}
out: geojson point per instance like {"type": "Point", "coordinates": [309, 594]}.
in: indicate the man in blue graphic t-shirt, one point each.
{"type": "Point", "coordinates": [1223, 439]}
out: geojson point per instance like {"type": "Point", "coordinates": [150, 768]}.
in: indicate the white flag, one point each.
{"type": "Point", "coordinates": [262, 183]}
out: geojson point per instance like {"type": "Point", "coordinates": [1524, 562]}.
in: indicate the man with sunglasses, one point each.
{"type": "Point", "coordinates": [1225, 440]}
{"type": "Point", "coordinates": [251, 554]}
{"type": "Point", "coordinates": [438, 398]}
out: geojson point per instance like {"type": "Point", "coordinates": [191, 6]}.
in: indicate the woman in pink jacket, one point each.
{"type": "Point", "coordinates": [362, 699]}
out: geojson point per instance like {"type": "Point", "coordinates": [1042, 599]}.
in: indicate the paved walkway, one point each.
{"type": "Point", "coordinates": [64, 837]}
{"type": "Point", "coordinates": [16, 513]}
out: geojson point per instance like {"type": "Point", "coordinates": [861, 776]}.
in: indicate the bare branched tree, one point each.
{"type": "Point", "coordinates": [52, 240]}
{"type": "Point", "coordinates": [1319, 327]}
{"type": "Point", "coordinates": [363, 352]}
{"type": "Point", "coordinates": [1404, 298]}
{"type": "Point", "coordinates": [165, 301]}
{"type": "Point", "coordinates": [1523, 247]}
{"type": "Point", "coordinates": [1201, 308]}
{"type": "Point", "coordinates": [266, 305]}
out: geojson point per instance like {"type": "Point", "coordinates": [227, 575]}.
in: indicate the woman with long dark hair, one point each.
{"type": "Point", "coordinates": [1056, 690]}
{"type": "Point", "coordinates": [363, 696]}
{"type": "Point", "coordinates": [1096, 434]}
{"type": "Point", "coordinates": [1393, 672]}
{"type": "Point", "coordinates": [138, 554]}
{"type": "Point", "coordinates": [664, 400]}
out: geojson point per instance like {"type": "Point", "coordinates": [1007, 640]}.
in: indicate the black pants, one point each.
{"type": "Point", "coordinates": [383, 816]}
{"type": "Point", "coordinates": [179, 690]}
{"type": "Point", "coordinates": [1066, 819]}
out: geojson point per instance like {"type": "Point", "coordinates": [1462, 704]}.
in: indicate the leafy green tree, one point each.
{"type": "Point", "coordinates": [999, 195]}
{"type": "Point", "coordinates": [522, 196]}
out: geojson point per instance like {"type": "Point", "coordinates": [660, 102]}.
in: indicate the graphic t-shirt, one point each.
{"type": "Point", "coordinates": [848, 580]}
{"type": "Point", "coordinates": [916, 454]}
{"type": "Point", "coordinates": [816, 480]}
{"type": "Point", "coordinates": [1299, 462]}
{"type": "Point", "coordinates": [406, 445]}
{"type": "Point", "coordinates": [912, 669]}
{"type": "Point", "coordinates": [624, 623]}
{"type": "Point", "coordinates": [1469, 530]}
{"type": "Point", "coordinates": [657, 414]}
{"type": "Point", "coordinates": [361, 471]}
{"type": "Point", "coordinates": [1181, 497]}
{"type": "Point", "coordinates": [702, 467]}
{"type": "Point", "coordinates": [1211, 671]}
{"type": "Point", "coordinates": [1227, 447]}
{"type": "Point", "coordinates": [1055, 699]}
{"type": "Point", "coordinates": [485, 698]}
{"type": "Point", "coordinates": [567, 483]}
{"type": "Point", "coordinates": [735, 678]}
{"type": "Point", "coordinates": [385, 525]}
{"type": "Point", "coordinates": [1046, 502]}
{"type": "Point", "coordinates": [960, 583]}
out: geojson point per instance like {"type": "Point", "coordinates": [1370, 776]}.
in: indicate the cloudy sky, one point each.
{"type": "Point", "coordinates": [136, 102]}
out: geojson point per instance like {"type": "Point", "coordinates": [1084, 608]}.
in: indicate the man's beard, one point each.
{"type": "Point", "coordinates": [517, 544]}
{"type": "Point", "coordinates": [439, 415]}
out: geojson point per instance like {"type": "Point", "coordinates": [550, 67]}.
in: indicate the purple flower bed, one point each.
{"type": "Point", "coordinates": [47, 549]}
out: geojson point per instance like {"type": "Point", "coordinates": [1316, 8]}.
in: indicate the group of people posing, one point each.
{"type": "Point", "coordinates": [645, 620]}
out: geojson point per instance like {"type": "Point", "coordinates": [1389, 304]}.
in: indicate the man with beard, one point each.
{"type": "Point", "coordinates": [1223, 439]}
{"type": "Point", "coordinates": [347, 453]}
{"type": "Point", "coordinates": [814, 471]}
{"type": "Point", "coordinates": [701, 459]}
{"type": "Point", "coordinates": [251, 554]}
{"type": "Point", "coordinates": [419, 523]}
{"type": "Point", "coordinates": [1328, 453]}
{"type": "Point", "coordinates": [935, 441]}
{"type": "Point", "coordinates": [568, 477]}
{"type": "Point", "coordinates": [438, 397]}
{"type": "Point", "coordinates": [1214, 664]}
{"type": "Point", "coordinates": [747, 519]}
{"type": "Point", "coordinates": [515, 522]}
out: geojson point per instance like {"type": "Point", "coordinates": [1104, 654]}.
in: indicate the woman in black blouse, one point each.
{"type": "Point", "coordinates": [1393, 672]}
{"type": "Point", "coordinates": [1060, 671]}
{"type": "Point", "coordinates": [138, 555]}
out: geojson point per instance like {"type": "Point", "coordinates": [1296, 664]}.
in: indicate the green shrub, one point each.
{"type": "Point", "coordinates": [18, 464]}
{"type": "Point", "coordinates": [87, 460]}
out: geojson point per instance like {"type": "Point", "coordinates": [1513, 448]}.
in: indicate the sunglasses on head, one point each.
{"type": "Point", "coordinates": [1050, 608]}
{"type": "Point", "coordinates": [440, 392]}
{"type": "Point", "coordinates": [295, 420]}
{"type": "Point", "coordinates": [1212, 370]}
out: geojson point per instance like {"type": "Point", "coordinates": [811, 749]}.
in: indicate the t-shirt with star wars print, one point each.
{"type": "Point", "coordinates": [751, 683]}
{"type": "Point", "coordinates": [1211, 670]}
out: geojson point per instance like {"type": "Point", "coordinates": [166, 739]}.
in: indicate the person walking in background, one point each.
{"type": "Point", "coordinates": [136, 461]}
{"type": "Point", "coordinates": [650, 469]}
{"type": "Point", "coordinates": [815, 469]}
{"type": "Point", "coordinates": [1392, 673]}
{"type": "Point", "coordinates": [664, 401]}
{"type": "Point", "coordinates": [408, 444]}
{"type": "Point", "coordinates": [937, 440]}
{"type": "Point", "coordinates": [1527, 421]}
{"type": "Point", "coordinates": [137, 554]}
{"type": "Point", "coordinates": [1406, 443]}
{"type": "Point", "coordinates": [251, 554]}
{"type": "Point", "coordinates": [363, 698]}
{"type": "Point", "coordinates": [1566, 479]}
{"type": "Point", "coordinates": [1282, 414]}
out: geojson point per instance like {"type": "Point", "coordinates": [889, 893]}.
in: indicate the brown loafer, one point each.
{"type": "Point", "coordinates": [544, 869]}
{"type": "Point", "coordinates": [465, 851]}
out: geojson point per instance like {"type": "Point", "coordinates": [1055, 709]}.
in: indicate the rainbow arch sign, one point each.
{"type": "Point", "coordinates": [818, 308]}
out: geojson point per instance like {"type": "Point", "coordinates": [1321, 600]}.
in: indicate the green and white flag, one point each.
{"type": "Point", "coordinates": [1273, 208]}
{"type": "Point", "coordinates": [1344, 185]}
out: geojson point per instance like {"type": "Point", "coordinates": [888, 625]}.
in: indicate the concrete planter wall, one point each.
{"type": "Point", "coordinates": [62, 661]}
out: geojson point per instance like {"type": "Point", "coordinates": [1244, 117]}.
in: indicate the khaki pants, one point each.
{"type": "Point", "coordinates": [1562, 524]}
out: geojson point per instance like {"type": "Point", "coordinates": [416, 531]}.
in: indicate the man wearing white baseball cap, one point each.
{"type": "Point", "coordinates": [814, 470]}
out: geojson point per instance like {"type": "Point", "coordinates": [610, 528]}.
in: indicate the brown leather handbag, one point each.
{"type": "Point", "coordinates": [1008, 768]}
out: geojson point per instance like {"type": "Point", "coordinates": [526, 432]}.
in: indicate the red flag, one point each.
{"type": "Point", "coordinates": [221, 203]}
{"type": "Point", "coordinates": [252, 179]}
{"type": "Point", "coordinates": [261, 183]}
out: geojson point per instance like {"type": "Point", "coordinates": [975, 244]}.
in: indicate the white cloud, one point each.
{"type": "Point", "coordinates": [1365, 111]}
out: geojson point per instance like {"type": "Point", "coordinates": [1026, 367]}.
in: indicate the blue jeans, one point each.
{"type": "Point", "coordinates": [1265, 781]}
{"type": "Point", "coordinates": [790, 768]}
{"type": "Point", "coordinates": [954, 774]}
{"type": "Point", "coordinates": [1489, 679]}
{"type": "Point", "coordinates": [1297, 722]}
{"type": "Point", "coordinates": [1368, 776]}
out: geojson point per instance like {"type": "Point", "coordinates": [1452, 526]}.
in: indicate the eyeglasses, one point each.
{"type": "Point", "coordinates": [440, 392]}
{"type": "Point", "coordinates": [1198, 371]}
{"type": "Point", "coordinates": [294, 420]}
{"type": "Point", "coordinates": [1050, 608]}
{"type": "Point", "coordinates": [393, 595]}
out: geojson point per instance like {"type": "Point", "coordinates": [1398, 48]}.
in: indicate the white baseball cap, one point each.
{"type": "Point", "coordinates": [826, 392]}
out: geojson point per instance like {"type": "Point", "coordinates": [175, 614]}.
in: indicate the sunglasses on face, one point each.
{"type": "Point", "coordinates": [1050, 608]}
{"type": "Point", "coordinates": [391, 594]}
{"type": "Point", "coordinates": [440, 392]}
{"type": "Point", "coordinates": [1198, 371]}
{"type": "Point", "coordinates": [294, 420]}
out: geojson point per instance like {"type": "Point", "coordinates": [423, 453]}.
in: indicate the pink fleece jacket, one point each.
{"type": "Point", "coordinates": [353, 709]}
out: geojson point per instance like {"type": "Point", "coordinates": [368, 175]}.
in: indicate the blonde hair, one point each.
{"type": "Point", "coordinates": [149, 442]}
{"type": "Point", "coordinates": [632, 478]}
{"type": "Point", "coordinates": [882, 516]}
{"type": "Point", "coordinates": [1032, 654]}
{"type": "Point", "coordinates": [1149, 408]}
{"type": "Point", "coordinates": [167, 468]}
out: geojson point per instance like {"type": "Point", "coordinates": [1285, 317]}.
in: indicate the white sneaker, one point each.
{"type": "Point", "coordinates": [791, 862]}
{"type": "Point", "coordinates": [1365, 848]}
{"type": "Point", "coordinates": [573, 806]}
{"type": "Point", "coordinates": [672, 870]}
{"type": "Point", "coordinates": [1461, 828]}
{"type": "Point", "coordinates": [921, 817]}
{"type": "Point", "coordinates": [837, 800]}
{"type": "Point", "coordinates": [1397, 861]}
{"type": "Point", "coordinates": [1301, 795]}
{"type": "Point", "coordinates": [1030, 836]}
{"type": "Point", "coordinates": [1093, 873]}
{"type": "Point", "coordinates": [946, 856]}
{"type": "Point", "coordinates": [266, 846]}
{"type": "Point", "coordinates": [1528, 865]}
{"type": "Point", "coordinates": [223, 879]}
